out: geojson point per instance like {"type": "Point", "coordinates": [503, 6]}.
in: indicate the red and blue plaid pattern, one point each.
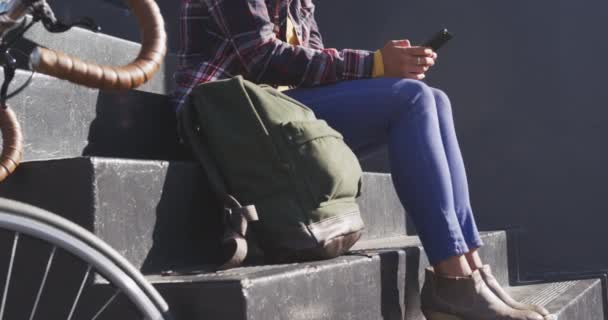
{"type": "Point", "coordinates": [225, 38]}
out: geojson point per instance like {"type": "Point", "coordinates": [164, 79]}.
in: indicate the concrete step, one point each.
{"type": "Point", "coordinates": [380, 284]}
{"type": "Point", "coordinates": [372, 284]}
{"type": "Point", "coordinates": [572, 300]}
{"type": "Point", "coordinates": [153, 211]}
{"type": "Point", "coordinates": [494, 252]}
{"type": "Point", "coordinates": [62, 120]}
{"type": "Point", "coordinates": [344, 288]}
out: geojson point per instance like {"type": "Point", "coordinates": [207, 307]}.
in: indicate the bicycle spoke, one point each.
{"type": "Point", "coordinates": [103, 308]}
{"type": "Point", "coordinates": [46, 273]}
{"type": "Point", "coordinates": [84, 281]}
{"type": "Point", "coordinates": [9, 275]}
{"type": "Point", "coordinates": [58, 235]}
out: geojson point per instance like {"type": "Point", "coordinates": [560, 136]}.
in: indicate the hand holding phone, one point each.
{"type": "Point", "coordinates": [438, 40]}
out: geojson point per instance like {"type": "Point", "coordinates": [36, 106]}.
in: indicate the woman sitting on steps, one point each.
{"type": "Point", "coordinates": [373, 99]}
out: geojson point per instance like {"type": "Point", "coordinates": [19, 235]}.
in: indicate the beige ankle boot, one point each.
{"type": "Point", "coordinates": [466, 298]}
{"type": "Point", "coordinates": [492, 283]}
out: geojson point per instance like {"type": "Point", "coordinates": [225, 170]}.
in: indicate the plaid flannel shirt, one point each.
{"type": "Point", "coordinates": [224, 38]}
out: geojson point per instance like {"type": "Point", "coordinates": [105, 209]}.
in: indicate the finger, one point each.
{"type": "Point", "coordinates": [418, 69]}
{"type": "Point", "coordinates": [420, 61]}
{"type": "Point", "coordinates": [415, 76]}
{"type": "Point", "coordinates": [435, 55]}
{"type": "Point", "coordinates": [420, 51]}
{"type": "Point", "coordinates": [418, 76]}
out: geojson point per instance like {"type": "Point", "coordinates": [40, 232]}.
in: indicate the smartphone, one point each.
{"type": "Point", "coordinates": [439, 39]}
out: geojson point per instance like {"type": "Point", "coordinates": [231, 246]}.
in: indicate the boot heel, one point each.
{"type": "Point", "coordinates": [433, 315]}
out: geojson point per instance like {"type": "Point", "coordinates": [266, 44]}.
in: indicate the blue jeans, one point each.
{"type": "Point", "coordinates": [416, 122]}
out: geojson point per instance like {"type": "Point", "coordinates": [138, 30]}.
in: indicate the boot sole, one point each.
{"type": "Point", "coordinates": [433, 315]}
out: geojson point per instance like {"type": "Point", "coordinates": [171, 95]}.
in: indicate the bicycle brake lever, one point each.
{"type": "Point", "coordinates": [43, 12]}
{"type": "Point", "coordinates": [9, 67]}
{"type": "Point", "coordinates": [57, 26]}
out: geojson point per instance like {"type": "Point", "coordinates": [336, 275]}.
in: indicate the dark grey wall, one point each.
{"type": "Point", "coordinates": [526, 80]}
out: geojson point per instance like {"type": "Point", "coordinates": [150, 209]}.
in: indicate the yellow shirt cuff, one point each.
{"type": "Point", "coordinates": [378, 70]}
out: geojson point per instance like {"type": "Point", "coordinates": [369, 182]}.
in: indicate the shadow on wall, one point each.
{"type": "Point", "coordinates": [187, 232]}
{"type": "Point", "coordinates": [141, 125]}
{"type": "Point", "coordinates": [134, 125]}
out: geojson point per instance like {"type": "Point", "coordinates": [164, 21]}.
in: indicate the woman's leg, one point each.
{"type": "Point", "coordinates": [402, 113]}
{"type": "Point", "coordinates": [416, 123]}
{"type": "Point", "coordinates": [462, 203]}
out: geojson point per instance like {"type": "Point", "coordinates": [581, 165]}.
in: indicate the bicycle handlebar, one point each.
{"type": "Point", "coordinates": [63, 66]}
{"type": "Point", "coordinates": [153, 50]}
{"type": "Point", "coordinates": [12, 143]}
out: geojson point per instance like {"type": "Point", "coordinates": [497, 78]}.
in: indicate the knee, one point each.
{"type": "Point", "coordinates": [414, 95]}
{"type": "Point", "coordinates": [442, 101]}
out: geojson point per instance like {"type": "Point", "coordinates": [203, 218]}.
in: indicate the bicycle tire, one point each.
{"type": "Point", "coordinates": [43, 225]}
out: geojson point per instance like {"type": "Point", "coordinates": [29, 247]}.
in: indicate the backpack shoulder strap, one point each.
{"type": "Point", "coordinates": [235, 216]}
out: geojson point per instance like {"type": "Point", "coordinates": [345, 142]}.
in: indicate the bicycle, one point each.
{"type": "Point", "coordinates": [59, 238]}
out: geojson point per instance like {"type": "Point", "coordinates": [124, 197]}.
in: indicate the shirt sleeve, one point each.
{"type": "Point", "coordinates": [266, 59]}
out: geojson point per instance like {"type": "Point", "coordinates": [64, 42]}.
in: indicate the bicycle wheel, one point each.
{"type": "Point", "coordinates": [39, 244]}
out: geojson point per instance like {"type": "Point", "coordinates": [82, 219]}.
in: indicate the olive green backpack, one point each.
{"type": "Point", "coordinates": [272, 163]}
